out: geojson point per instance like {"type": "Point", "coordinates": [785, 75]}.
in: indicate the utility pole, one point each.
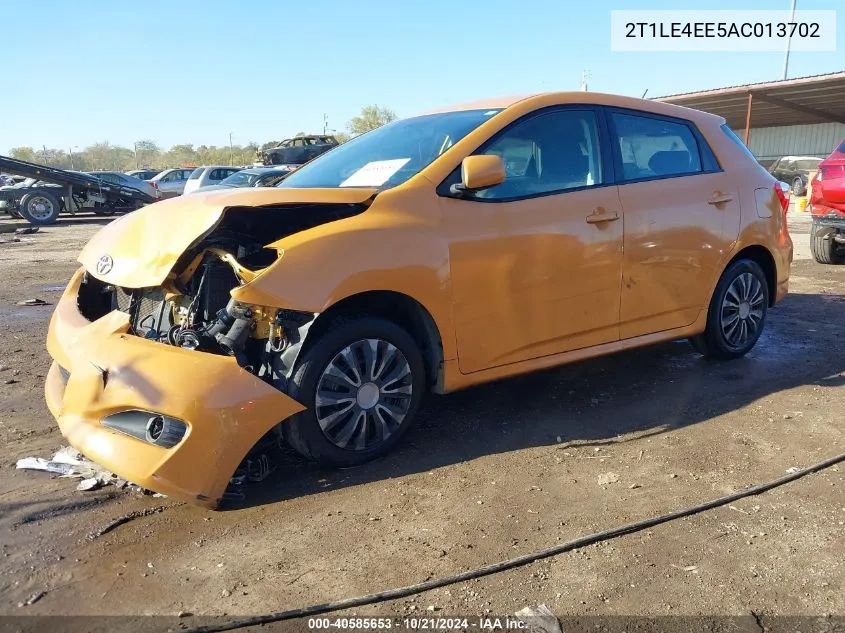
{"type": "Point", "coordinates": [788, 42]}
{"type": "Point", "coordinates": [325, 123]}
{"type": "Point", "coordinates": [70, 151]}
{"type": "Point", "coordinates": [231, 151]}
{"type": "Point", "coordinates": [136, 154]}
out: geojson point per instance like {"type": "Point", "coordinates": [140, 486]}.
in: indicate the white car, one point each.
{"type": "Point", "coordinates": [171, 182]}
{"type": "Point", "coordinates": [208, 175]}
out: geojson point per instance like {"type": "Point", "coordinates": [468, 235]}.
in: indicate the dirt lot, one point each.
{"type": "Point", "coordinates": [487, 474]}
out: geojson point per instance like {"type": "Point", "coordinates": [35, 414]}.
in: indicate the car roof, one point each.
{"type": "Point", "coordinates": [800, 158]}
{"type": "Point", "coordinates": [543, 99]}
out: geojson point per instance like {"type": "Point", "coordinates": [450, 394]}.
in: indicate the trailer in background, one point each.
{"type": "Point", "coordinates": [49, 191]}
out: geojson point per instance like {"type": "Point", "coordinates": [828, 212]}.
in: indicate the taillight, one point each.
{"type": "Point", "coordinates": [154, 184]}
{"type": "Point", "coordinates": [783, 196]}
{"type": "Point", "coordinates": [832, 171]}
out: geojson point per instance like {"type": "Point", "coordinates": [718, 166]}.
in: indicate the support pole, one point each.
{"type": "Point", "coordinates": [748, 118]}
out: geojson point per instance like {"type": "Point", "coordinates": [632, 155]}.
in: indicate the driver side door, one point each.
{"type": "Point", "coordinates": [536, 261]}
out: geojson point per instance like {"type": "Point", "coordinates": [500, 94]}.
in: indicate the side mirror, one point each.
{"type": "Point", "coordinates": [480, 172]}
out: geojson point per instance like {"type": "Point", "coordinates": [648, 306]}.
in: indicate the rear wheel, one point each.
{"type": "Point", "coordinates": [361, 382]}
{"type": "Point", "coordinates": [824, 247]}
{"type": "Point", "coordinates": [40, 208]}
{"type": "Point", "coordinates": [737, 312]}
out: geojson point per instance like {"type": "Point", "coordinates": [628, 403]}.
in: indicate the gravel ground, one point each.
{"type": "Point", "coordinates": [487, 474]}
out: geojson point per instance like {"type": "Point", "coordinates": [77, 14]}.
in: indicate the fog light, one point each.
{"type": "Point", "coordinates": [164, 431]}
{"type": "Point", "coordinates": [154, 428]}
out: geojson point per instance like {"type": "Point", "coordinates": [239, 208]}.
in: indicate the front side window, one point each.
{"type": "Point", "coordinates": [389, 155]}
{"type": "Point", "coordinates": [654, 148]}
{"type": "Point", "coordinates": [555, 151]}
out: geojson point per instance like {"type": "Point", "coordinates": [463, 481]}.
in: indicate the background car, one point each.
{"type": "Point", "coordinates": [252, 177]}
{"type": "Point", "coordinates": [144, 174]}
{"type": "Point", "coordinates": [208, 175]}
{"type": "Point", "coordinates": [827, 206]}
{"type": "Point", "coordinates": [171, 182]}
{"type": "Point", "coordinates": [298, 150]}
{"type": "Point", "coordinates": [126, 180]}
{"type": "Point", "coordinates": [795, 170]}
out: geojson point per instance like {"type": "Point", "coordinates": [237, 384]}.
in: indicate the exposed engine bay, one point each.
{"type": "Point", "coordinates": [194, 310]}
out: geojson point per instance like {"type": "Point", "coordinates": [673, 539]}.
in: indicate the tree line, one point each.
{"type": "Point", "coordinates": [146, 153]}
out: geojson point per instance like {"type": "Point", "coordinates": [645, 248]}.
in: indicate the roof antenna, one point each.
{"type": "Point", "coordinates": [585, 75]}
{"type": "Point", "coordinates": [644, 94]}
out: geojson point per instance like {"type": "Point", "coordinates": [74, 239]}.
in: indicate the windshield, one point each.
{"type": "Point", "coordinates": [239, 179]}
{"type": "Point", "coordinates": [389, 155]}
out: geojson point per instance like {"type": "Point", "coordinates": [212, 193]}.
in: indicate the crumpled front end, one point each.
{"type": "Point", "coordinates": [160, 373]}
{"type": "Point", "coordinates": [172, 419]}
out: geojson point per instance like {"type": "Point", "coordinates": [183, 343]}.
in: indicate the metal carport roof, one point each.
{"type": "Point", "coordinates": [815, 99]}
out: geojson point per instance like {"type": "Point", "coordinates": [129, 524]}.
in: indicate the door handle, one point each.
{"type": "Point", "coordinates": [715, 200]}
{"type": "Point", "coordinates": [598, 218]}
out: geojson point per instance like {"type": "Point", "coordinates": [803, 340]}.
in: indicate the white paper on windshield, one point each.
{"type": "Point", "coordinates": [375, 173]}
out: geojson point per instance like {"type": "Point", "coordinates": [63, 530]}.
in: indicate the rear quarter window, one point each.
{"type": "Point", "coordinates": [655, 148]}
{"type": "Point", "coordinates": [738, 141]}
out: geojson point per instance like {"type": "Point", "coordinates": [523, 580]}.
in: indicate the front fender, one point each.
{"type": "Point", "coordinates": [381, 249]}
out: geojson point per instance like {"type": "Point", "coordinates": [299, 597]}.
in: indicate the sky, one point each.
{"type": "Point", "coordinates": [194, 71]}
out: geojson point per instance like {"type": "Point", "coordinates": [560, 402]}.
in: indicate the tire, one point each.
{"type": "Point", "coordinates": [379, 430]}
{"type": "Point", "coordinates": [798, 187]}
{"type": "Point", "coordinates": [823, 247]}
{"type": "Point", "coordinates": [40, 208]}
{"type": "Point", "coordinates": [732, 332]}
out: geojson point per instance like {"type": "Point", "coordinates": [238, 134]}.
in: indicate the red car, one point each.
{"type": "Point", "coordinates": [827, 205]}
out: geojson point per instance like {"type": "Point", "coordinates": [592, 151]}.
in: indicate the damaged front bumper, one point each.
{"type": "Point", "coordinates": [100, 369]}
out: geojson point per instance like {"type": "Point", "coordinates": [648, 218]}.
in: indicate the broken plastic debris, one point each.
{"type": "Point", "coordinates": [39, 463]}
{"type": "Point", "coordinates": [32, 599]}
{"type": "Point", "coordinates": [33, 302]}
{"type": "Point", "coordinates": [539, 619]}
{"type": "Point", "coordinates": [68, 462]}
{"type": "Point", "coordinates": [92, 483]}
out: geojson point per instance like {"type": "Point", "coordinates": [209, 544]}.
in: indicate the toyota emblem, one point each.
{"type": "Point", "coordinates": [104, 264]}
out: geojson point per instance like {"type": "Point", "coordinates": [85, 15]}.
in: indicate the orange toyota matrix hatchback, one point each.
{"type": "Point", "coordinates": [434, 253]}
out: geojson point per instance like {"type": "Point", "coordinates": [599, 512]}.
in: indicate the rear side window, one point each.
{"type": "Point", "coordinates": [807, 164]}
{"type": "Point", "coordinates": [196, 173]}
{"type": "Point", "coordinates": [655, 148]}
{"type": "Point", "coordinates": [732, 135]}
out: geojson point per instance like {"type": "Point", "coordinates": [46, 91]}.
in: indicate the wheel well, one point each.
{"type": "Point", "coordinates": [762, 256]}
{"type": "Point", "coordinates": [398, 308]}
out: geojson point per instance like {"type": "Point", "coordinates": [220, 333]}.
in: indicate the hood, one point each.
{"type": "Point", "coordinates": [140, 249]}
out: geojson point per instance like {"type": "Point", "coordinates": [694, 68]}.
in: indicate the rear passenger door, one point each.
{"type": "Point", "coordinates": [682, 216]}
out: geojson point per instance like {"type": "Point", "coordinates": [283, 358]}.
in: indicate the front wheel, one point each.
{"type": "Point", "coordinates": [737, 312]}
{"type": "Point", "coordinates": [798, 187]}
{"type": "Point", "coordinates": [361, 382]}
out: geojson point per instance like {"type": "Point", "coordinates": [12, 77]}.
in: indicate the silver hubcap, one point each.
{"type": "Point", "coordinates": [40, 208]}
{"type": "Point", "coordinates": [364, 394]}
{"type": "Point", "coordinates": [743, 310]}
